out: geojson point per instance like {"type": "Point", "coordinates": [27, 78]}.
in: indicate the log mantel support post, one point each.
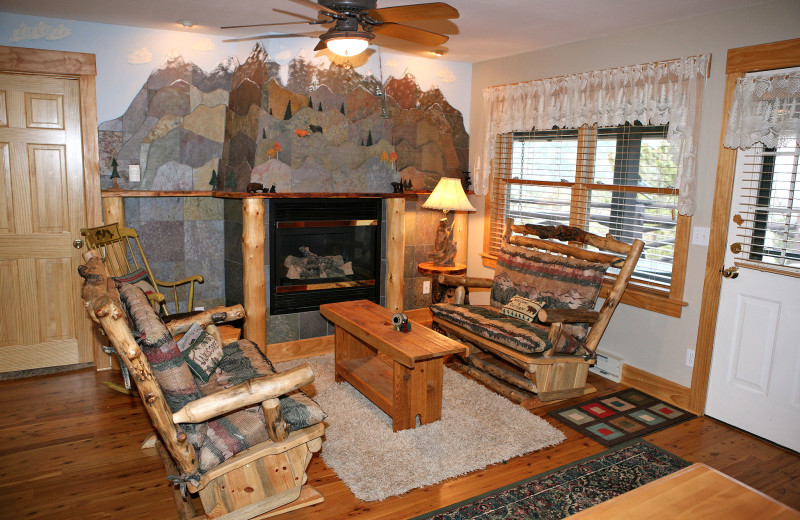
{"type": "Point", "coordinates": [114, 210]}
{"type": "Point", "coordinates": [395, 251]}
{"type": "Point", "coordinates": [255, 287]}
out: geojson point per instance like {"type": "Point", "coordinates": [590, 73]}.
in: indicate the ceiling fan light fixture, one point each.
{"type": "Point", "coordinates": [348, 46]}
{"type": "Point", "coordinates": [347, 43]}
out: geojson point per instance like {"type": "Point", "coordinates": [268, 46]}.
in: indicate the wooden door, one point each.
{"type": "Point", "coordinates": [754, 382]}
{"type": "Point", "coordinates": [42, 209]}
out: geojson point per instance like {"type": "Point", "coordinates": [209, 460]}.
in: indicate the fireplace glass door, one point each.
{"type": "Point", "coordinates": [323, 251]}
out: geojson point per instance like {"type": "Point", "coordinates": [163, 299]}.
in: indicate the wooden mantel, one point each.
{"type": "Point", "coordinates": [255, 294]}
{"type": "Point", "coordinates": [244, 195]}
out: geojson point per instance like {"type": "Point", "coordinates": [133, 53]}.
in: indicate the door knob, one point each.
{"type": "Point", "coordinates": [730, 272]}
{"type": "Point", "coordinates": [77, 243]}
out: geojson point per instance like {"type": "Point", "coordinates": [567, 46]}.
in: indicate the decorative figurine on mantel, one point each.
{"type": "Point", "coordinates": [214, 182]}
{"type": "Point", "coordinates": [114, 176]}
{"type": "Point", "coordinates": [447, 196]}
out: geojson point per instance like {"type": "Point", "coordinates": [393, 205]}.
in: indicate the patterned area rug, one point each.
{"type": "Point", "coordinates": [620, 417]}
{"type": "Point", "coordinates": [569, 489]}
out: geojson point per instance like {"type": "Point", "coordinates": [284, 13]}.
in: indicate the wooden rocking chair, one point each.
{"type": "Point", "coordinates": [548, 359]}
{"type": "Point", "coordinates": [123, 253]}
{"type": "Point", "coordinates": [264, 479]}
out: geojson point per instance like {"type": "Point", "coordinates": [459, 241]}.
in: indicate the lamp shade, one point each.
{"type": "Point", "coordinates": [449, 196]}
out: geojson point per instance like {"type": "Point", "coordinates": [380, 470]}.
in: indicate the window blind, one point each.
{"type": "Point", "coordinates": [768, 234]}
{"type": "Point", "coordinates": [618, 180]}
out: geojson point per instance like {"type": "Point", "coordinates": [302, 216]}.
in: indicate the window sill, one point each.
{"type": "Point", "coordinates": [644, 298]}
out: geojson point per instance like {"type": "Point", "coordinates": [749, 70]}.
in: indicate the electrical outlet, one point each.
{"type": "Point", "coordinates": [134, 173]}
{"type": "Point", "coordinates": [426, 287]}
{"type": "Point", "coordinates": [700, 236]}
{"type": "Point", "coordinates": [689, 357]}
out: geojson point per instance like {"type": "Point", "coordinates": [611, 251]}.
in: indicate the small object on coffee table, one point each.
{"type": "Point", "coordinates": [400, 372]}
{"type": "Point", "coordinates": [401, 323]}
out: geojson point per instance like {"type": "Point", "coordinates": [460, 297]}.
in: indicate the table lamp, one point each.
{"type": "Point", "coordinates": [447, 196]}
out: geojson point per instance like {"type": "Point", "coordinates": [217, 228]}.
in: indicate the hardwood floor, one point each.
{"type": "Point", "coordinates": [69, 449]}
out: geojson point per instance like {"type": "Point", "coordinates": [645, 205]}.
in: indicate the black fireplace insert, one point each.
{"type": "Point", "coordinates": [323, 251]}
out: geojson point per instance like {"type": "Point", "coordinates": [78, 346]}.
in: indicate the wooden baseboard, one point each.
{"type": "Point", "coordinates": [301, 348]}
{"type": "Point", "coordinates": [657, 386]}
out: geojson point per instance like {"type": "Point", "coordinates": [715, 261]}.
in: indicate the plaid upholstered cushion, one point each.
{"type": "Point", "coordinates": [490, 323]}
{"type": "Point", "coordinates": [168, 365]}
{"type": "Point", "coordinates": [236, 431]}
{"type": "Point", "coordinates": [560, 282]}
{"type": "Point", "coordinates": [224, 437]}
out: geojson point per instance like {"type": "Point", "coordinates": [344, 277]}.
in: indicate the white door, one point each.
{"type": "Point", "coordinates": [755, 370]}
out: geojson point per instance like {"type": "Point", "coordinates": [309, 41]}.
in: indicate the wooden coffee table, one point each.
{"type": "Point", "coordinates": [401, 372]}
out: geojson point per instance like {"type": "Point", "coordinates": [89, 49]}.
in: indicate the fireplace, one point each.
{"type": "Point", "coordinates": [323, 251]}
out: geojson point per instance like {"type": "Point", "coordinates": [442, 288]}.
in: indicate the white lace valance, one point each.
{"type": "Point", "coordinates": [765, 109]}
{"type": "Point", "coordinates": [658, 93]}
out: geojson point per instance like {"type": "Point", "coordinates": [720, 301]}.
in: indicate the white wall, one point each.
{"type": "Point", "coordinates": [647, 340]}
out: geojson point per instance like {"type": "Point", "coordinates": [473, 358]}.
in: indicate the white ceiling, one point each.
{"type": "Point", "coordinates": [486, 29]}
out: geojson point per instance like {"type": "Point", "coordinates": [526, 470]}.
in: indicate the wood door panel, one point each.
{"type": "Point", "coordinates": [56, 298]}
{"type": "Point", "coordinates": [11, 332]}
{"type": "Point", "coordinates": [6, 201]}
{"type": "Point", "coordinates": [44, 110]}
{"type": "Point", "coordinates": [3, 109]}
{"type": "Point", "coordinates": [48, 178]}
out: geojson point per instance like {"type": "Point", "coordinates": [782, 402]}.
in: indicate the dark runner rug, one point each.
{"type": "Point", "coordinates": [619, 417]}
{"type": "Point", "coordinates": [566, 490]}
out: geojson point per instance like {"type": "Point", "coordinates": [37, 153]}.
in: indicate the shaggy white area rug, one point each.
{"type": "Point", "coordinates": [478, 428]}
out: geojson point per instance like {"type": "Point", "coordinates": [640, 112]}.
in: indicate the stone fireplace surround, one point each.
{"type": "Point", "coordinates": [220, 216]}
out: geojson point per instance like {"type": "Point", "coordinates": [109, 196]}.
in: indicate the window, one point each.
{"type": "Point", "coordinates": [616, 180]}
{"type": "Point", "coordinates": [769, 217]}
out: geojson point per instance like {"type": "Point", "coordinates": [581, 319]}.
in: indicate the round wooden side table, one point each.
{"type": "Point", "coordinates": [429, 269]}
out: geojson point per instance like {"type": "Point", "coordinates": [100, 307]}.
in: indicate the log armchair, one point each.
{"type": "Point", "coordinates": [530, 357]}
{"type": "Point", "coordinates": [126, 261]}
{"type": "Point", "coordinates": [239, 435]}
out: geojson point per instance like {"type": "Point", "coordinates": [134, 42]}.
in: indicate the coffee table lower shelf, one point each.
{"type": "Point", "coordinates": [370, 376]}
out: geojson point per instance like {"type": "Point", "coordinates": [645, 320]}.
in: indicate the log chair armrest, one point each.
{"type": "Point", "coordinates": [205, 318]}
{"type": "Point", "coordinates": [244, 394]}
{"type": "Point", "coordinates": [465, 281]}
{"type": "Point", "coordinates": [568, 316]}
{"type": "Point", "coordinates": [194, 278]}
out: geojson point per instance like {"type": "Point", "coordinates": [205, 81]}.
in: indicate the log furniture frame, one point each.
{"type": "Point", "coordinates": [530, 379]}
{"type": "Point", "coordinates": [401, 372]}
{"type": "Point", "coordinates": [264, 480]}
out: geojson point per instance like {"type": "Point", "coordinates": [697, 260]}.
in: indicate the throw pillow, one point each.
{"type": "Point", "coordinates": [522, 308]}
{"type": "Point", "coordinates": [203, 356]}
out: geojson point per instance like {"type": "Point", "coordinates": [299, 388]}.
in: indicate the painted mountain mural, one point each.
{"type": "Point", "coordinates": [327, 129]}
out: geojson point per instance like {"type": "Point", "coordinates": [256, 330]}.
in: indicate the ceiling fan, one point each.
{"type": "Point", "coordinates": [356, 22]}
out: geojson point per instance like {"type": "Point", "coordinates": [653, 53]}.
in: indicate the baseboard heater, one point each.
{"type": "Point", "coordinates": [608, 365]}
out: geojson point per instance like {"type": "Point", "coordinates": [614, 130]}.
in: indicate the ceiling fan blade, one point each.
{"type": "Point", "coordinates": [404, 13]}
{"type": "Point", "coordinates": [260, 25]}
{"type": "Point", "coordinates": [321, 45]}
{"type": "Point", "coordinates": [412, 34]}
{"type": "Point", "coordinates": [270, 36]}
{"type": "Point", "coordinates": [314, 5]}
{"type": "Point", "coordinates": [298, 15]}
